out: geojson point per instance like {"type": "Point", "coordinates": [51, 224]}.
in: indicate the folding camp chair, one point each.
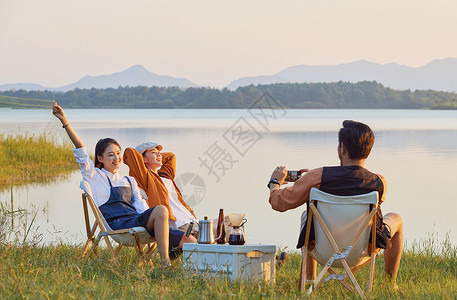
{"type": "Point", "coordinates": [136, 237]}
{"type": "Point", "coordinates": [342, 227]}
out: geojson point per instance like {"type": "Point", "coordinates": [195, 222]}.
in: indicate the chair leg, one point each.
{"type": "Point", "coordinates": [86, 247]}
{"type": "Point", "coordinates": [303, 270]}
{"type": "Point", "coordinates": [138, 251]}
{"type": "Point", "coordinates": [118, 249]}
{"type": "Point", "coordinates": [110, 247]}
{"type": "Point", "coordinates": [302, 282]}
{"type": "Point", "coordinates": [343, 282]}
{"type": "Point", "coordinates": [370, 282]}
{"type": "Point", "coordinates": [151, 248]}
{"type": "Point", "coordinates": [351, 276]}
{"type": "Point", "coordinates": [94, 247]}
{"type": "Point", "coordinates": [138, 247]}
{"type": "Point", "coordinates": [318, 278]}
{"type": "Point", "coordinates": [90, 238]}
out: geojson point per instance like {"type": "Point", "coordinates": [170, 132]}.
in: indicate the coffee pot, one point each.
{"type": "Point", "coordinates": [237, 235]}
{"type": "Point", "coordinates": [205, 232]}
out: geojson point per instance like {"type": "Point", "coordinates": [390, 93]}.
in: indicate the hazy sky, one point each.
{"type": "Point", "coordinates": [212, 42]}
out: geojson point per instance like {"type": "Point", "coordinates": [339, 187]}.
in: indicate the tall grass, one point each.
{"type": "Point", "coordinates": [31, 270]}
{"type": "Point", "coordinates": [32, 158]}
{"type": "Point", "coordinates": [56, 272]}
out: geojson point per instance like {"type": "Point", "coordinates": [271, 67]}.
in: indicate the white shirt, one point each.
{"type": "Point", "coordinates": [183, 216]}
{"type": "Point", "coordinates": [99, 184]}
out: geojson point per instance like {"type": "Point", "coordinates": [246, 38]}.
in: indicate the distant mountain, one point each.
{"type": "Point", "coordinates": [438, 75]}
{"type": "Point", "coordinates": [134, 76]}
{"type": "Point", "coordinates": [21, 86]}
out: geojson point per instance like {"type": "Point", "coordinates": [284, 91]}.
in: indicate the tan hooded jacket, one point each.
{"type": "Point", "coordinates": [151, 182]}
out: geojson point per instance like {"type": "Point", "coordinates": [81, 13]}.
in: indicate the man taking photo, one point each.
{"type": "Point", "coordinates": [355, 141]}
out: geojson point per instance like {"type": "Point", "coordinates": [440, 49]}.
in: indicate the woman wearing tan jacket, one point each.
{"type": "Point", "coordinates": [155, 173]}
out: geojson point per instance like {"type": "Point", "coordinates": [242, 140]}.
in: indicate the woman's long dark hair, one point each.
{"type": "Point", "coordinates": [101, 147]}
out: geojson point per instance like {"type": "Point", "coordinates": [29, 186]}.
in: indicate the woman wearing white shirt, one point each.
{"type": "Point", "coordinates": [118, 197]}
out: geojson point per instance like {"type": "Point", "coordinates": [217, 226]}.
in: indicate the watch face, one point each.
{"type": "Point", "coordinates": [273, 181]}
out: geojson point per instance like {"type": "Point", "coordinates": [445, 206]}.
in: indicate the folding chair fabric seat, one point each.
{"type": "Point", "coordinates": [343, 216]}
{"type": "Point", "coordinates": [132, 237]}
{"type": "Point", "coordinates": [348, 222]}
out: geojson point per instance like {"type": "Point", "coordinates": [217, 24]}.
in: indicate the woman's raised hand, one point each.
{"type": "Point", "coordinates": [59, 113]}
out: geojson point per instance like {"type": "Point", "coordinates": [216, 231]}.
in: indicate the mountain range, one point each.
{"type": "Point", "coordinates": [440, 75]}
{"type": "Point", "coordinates": [134, 76]}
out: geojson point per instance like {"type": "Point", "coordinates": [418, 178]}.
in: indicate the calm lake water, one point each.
{"type": "Point", "coordinates": [225, 158]}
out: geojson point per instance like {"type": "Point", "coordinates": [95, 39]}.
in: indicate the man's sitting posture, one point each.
{"type": "Point", "coordinates": [355, 141]}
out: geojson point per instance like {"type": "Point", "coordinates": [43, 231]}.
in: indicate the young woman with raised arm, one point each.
{"type": "Point", "coordinates": [118, 197]}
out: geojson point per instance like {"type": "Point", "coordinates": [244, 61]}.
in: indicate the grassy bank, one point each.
{"type": "Point", "coordinates": [32, 158]}
{"type": "Point", "coordinates": [56, 272]}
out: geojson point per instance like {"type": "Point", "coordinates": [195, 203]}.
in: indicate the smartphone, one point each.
{"type": "Point", "coordinates": [292, 176]}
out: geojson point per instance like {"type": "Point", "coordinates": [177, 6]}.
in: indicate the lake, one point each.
{"type": "Point", "coordinates": [225, 159]}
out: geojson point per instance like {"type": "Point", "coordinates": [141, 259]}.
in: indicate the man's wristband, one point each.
{"type": "Point", "coordinates": [66, 125]}
{"type": "Point", "coordinates": [273, 180]}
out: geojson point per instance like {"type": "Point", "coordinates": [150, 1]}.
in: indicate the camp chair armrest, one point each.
{"type": "Point", "coordinates": [138, 229]}
{"type": "Point", "coordinates": [119, 231]}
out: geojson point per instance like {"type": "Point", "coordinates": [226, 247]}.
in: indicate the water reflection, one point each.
{"type": "Point", "coordinates": [44, 180]}
{"type": "Point", "coordinates": [17, 225]}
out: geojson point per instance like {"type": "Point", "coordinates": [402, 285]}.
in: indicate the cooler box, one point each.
{"type": "Point", "coordinates": [247, 262]}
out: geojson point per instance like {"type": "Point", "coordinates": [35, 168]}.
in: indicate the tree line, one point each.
{"type": "Point", "coordinates": [336, 95]}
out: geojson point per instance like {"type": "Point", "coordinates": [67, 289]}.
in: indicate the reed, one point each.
{"type": "Point", "coordinates": [33, 159]}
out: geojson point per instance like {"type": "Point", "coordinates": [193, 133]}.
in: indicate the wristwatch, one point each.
{"type": "Point", "coordinates": [273, 180]}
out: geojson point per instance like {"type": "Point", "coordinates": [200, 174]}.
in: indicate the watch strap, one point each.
{"type": "Point", "coordinates": [274, 181]}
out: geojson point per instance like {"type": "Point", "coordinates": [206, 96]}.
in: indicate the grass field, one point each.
{"type": "Point", "coordinates": [428, 271]}
{"type": "Point", "coordinates": [33, 158]}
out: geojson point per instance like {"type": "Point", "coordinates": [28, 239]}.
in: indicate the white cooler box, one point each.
{"type": "Point", "coordinates": [249, 262]}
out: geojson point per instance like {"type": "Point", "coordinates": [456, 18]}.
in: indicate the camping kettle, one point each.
{"type": "Point", "coordinates": [205, 232]}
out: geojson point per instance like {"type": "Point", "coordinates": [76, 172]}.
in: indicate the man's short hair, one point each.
{"type": "Point", "coordinates": [358, 138]}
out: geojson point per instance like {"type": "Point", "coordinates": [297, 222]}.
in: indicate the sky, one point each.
{"type": "Point", "coordinates": [212, 42]}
